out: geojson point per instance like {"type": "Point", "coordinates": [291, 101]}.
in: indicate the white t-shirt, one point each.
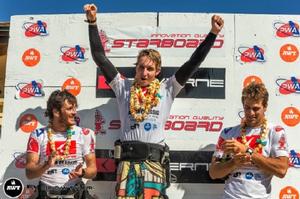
{"type": "Point", "coordinates": [250, 182]}
{"type": "Point", "coordinates": [151, 129]}
{"type": "Point", "coordinates": [82, 143]}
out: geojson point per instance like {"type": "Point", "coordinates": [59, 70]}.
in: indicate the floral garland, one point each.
{"type": "Point", "coordinates": [263, 134]}
{"type": "Point", "coordinates": [52, 144]}
{"type": "Point", "coordinates": [140, 103]}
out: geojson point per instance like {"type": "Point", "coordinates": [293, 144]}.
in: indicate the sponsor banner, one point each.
{"type": "Point", "coordinates": [185, 166]}
{"type": "Point", "coordinates": [170, 41]}
{"type": "Point", "coordinates": [35, 28]}
{"type": "Point", "coordinates": [289, 53]}
{"type": "Point", "coordinates": [290, 116]}
{"type": "Point", "coordinates": [73, 54]}
{"type": "Point", "coordinates": [287, 86]}
{"type": "Point", "coordinates": [251, 54]}
{"type": "Point", "coordinates": [284, 29]}
{"type": "Point", "coordinates": [289, 192]}
{"type": "Point", "coordinates": [207, 83]}
{"type": "Point", "coordinates": [30, 89]}
{"type": "Point", "coordinates": [194, 123]}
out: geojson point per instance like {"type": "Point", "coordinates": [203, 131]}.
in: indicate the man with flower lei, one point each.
{"type": "Point", "coordinates": [144, 106]}
{"type": "Point", "coordinates": [61, 154]}
{"type": "Point", "coordinates": [250, 154]}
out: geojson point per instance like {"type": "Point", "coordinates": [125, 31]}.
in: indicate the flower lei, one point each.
{"type": "Point", "coordinates": [263, 134]}
{"type": "Point", "coordinates": [140, 103]}
{"type": "Point", "coordinates": [52, 144]}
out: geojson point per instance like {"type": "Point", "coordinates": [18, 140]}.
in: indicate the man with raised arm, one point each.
{"type": "Point", "coordinates": [144, 106]}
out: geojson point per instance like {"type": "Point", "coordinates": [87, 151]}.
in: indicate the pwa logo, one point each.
{"type": "Point", "coordinates": [73, 54]}
{"type": "Point", "coordinates": [290, 29]}
{"type": "Point", "coordinates": [289, 192]}
{"type": "Point", "coordinates": [35, 29]}
{"type": "Point", "coordinates": [32, 89]}
{"type": "Point", "coordinates": [288, 86]}
{"type": "Point", "coordinates": [289, 53]}
{"type": "Point", "coordinates": [251, 54]}
{"type": "Point", "coordinates": [31, 57]}
{"type": "Point", "coordinates": [104, 40]}
{"type": "Point", "coordinates": [290, 116]}
{"type": "Point", "coordinates": [13, 187]}
{"type": "Point", "coordinates": [294, 159]}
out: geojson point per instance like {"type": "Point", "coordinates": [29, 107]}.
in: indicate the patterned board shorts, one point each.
{"type": "Point", "coordinates": [143, 180]}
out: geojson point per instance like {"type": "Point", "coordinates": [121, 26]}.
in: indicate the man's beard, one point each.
{"type": "Point", "coordinates": [64, 121]}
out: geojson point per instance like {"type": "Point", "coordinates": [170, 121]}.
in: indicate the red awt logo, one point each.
{"type": "Point", "coordinates": [289, 192]}
{"type": "Point", "coordinates": [290, 116]}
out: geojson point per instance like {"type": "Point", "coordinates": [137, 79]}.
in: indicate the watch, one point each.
{"type": "Point", "coordinates": [249, 151]}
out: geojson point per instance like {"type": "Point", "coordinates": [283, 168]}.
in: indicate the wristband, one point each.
{"type": "Point", "coordinates": [89, 21]}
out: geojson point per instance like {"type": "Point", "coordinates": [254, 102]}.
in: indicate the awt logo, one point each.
{"type": "Point", "coordinates": [35, 29]}
{"type": "Point", "coordinates": [31, 57]}
{"type": "Point", "coordinates": [72, 85]}
{"type": "Point", "coordinates": [289, 53]}
{"type": "Point", "coordinates": [290, 116]}
{"type": "Point", "coordinates": [290, 29]}
{"type": "Point", "coordinates": [13, 187]}
{"type": "Point", "coordinates": [73, 54]}
{"type": "Point", "coordinates": [250, 79]}
{"type": "Point", "coordinates": [28, 123]}
{"type": "Point", "coordinates": [288, 86]}
{"type": "Point", "coordinates": [251, 54]}
{"type": "Point", "coordinates": [289, 192]}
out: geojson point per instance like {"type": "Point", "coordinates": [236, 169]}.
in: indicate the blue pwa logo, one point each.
{"type": "Point", "coordinates": [294, 159]}
{"type": "Point", "coordinates": [251, 54]}
{"type": "Point", "coordinates": [283, 30]}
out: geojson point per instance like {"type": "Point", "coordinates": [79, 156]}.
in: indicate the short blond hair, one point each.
{"type": "Point", "coordinates": [154, 55]}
